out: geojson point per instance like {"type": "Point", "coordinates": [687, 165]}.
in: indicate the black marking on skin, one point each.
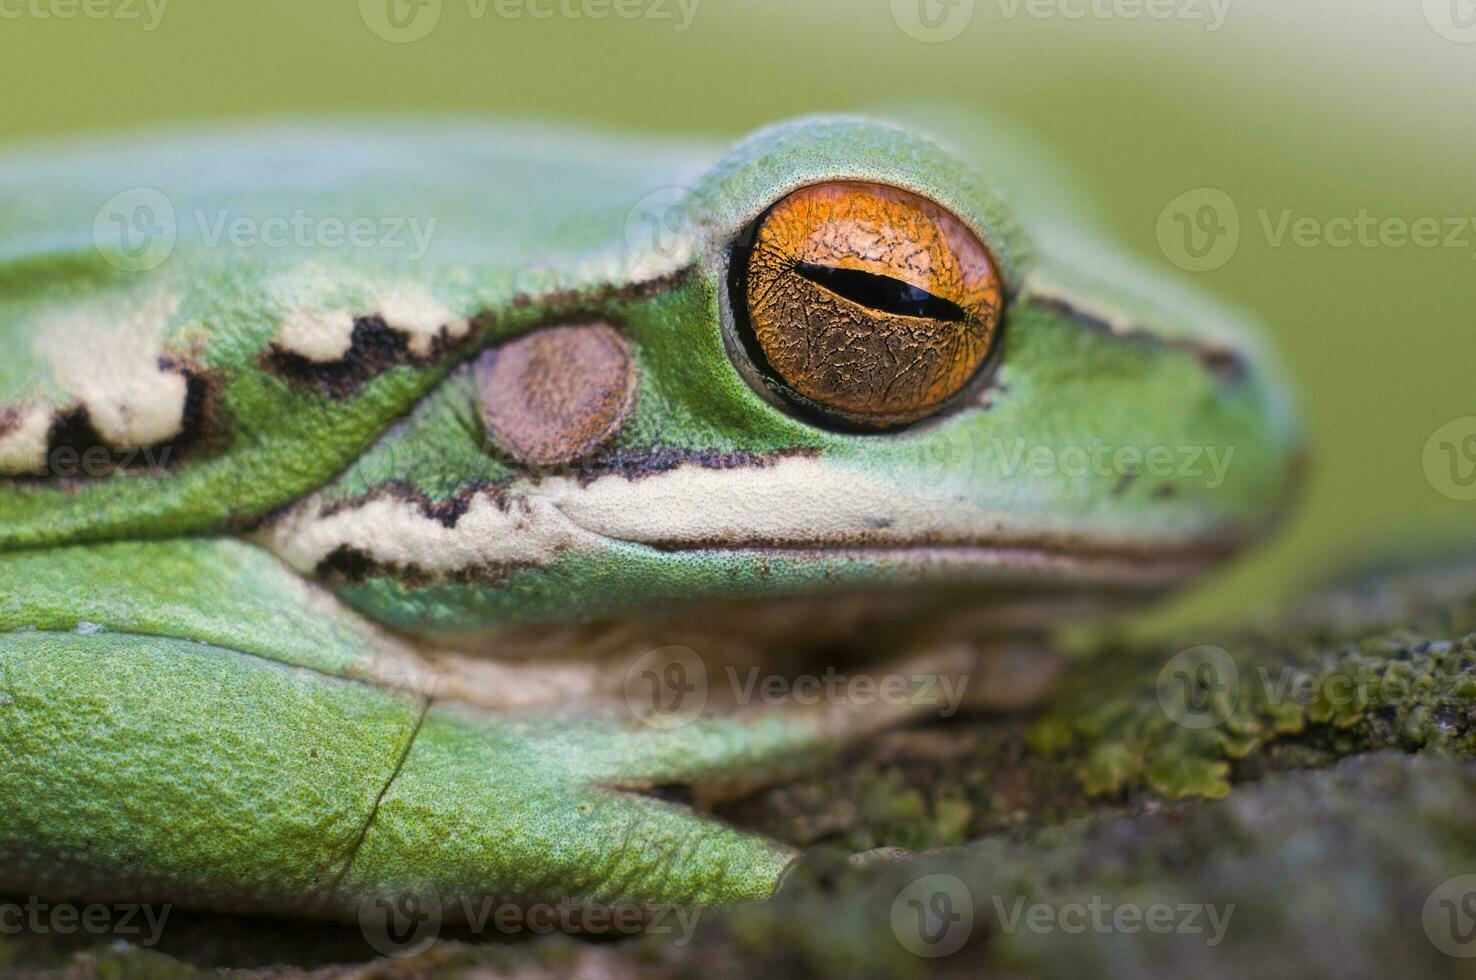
{"type": "Point", "coordinates": [348, 565]}
{"type": "Point", "coordinates": [345, 563]}
{"type": "Point", "coordinates": [203, 427]}
{"type": "Point", "coordinates": [447, 512]}
{"type": "Point", "coordinates": [636, 464]}
{"type": "Point", "coordinates": [374, 348]}
{"type": "Point", "coordinates": [564, 303]}
{"type": "Point", "coordinates": [76, 452]}
{"type": "Point", "coordinates": [629, 463]}
{"type": "Point", "coordinates": [1226, 366]}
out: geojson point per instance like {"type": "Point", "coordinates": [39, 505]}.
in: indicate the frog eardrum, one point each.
{"type": "Point", "coordinates": [864, 305]}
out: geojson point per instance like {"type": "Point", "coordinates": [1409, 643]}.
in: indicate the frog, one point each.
{"type": "Point", "coordinates": [452, 507]}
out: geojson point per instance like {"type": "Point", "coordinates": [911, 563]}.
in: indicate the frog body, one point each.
{"type": "Point", "coordinates": [343, 569]}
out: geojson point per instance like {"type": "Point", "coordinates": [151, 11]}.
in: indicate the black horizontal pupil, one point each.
{"type": "Point", "coordinates": [882, 292]}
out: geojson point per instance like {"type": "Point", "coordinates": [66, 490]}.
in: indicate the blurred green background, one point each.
{"type": "Point", "coordinates": [1324, 107]}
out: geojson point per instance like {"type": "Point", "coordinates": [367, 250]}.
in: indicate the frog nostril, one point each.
{"type": "Point", "coordinates": [1225, 365]}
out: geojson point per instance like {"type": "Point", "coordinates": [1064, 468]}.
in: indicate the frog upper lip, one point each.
{"type": "Point", "coordinates": [1079, 549]}
{"type": "Point", "coordinates": [806, 509]}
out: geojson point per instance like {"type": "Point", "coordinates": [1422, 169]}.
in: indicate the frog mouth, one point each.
{"type": "Point", "coordinates": [803, 510]}
{"type": "Point", "coordinates": [849, 529]}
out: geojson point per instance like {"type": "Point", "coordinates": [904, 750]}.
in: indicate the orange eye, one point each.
{"type": "Point", "coordinates": [868, 304]}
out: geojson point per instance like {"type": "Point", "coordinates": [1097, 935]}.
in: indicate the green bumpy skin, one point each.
{"type": "Point", "coordinates": [198, 636]}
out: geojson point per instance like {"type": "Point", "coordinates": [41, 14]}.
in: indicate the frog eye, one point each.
{"type": "Point", "coordinates": [865, 304]}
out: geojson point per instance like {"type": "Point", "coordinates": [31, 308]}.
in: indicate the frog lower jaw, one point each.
{"type": "Point", "coordinates": [984, 562]}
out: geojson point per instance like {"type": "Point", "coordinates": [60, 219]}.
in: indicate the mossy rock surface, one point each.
{"type": "Point", "coordinates": [1288, 799]}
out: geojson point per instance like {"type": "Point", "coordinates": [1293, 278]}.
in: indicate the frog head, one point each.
{"type": "Point", "coordinates": [829, 373]}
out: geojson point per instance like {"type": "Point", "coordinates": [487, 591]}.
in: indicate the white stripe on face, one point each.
{"type": "Point", "coordinates": [799, 502]}
{"type": "Point", "coordinates": [791, 500]}
{"type": "Point", "coordinates": [524, 531]}
{"type": "Point", "coordinates": [109, 361]}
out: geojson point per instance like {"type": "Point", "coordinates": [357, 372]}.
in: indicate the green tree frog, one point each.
{"type": "Point", "coordinates": [427, 507]}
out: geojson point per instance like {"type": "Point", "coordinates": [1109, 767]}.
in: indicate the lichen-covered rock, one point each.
{"type": "Point", "coordinates": [1308, 873]}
